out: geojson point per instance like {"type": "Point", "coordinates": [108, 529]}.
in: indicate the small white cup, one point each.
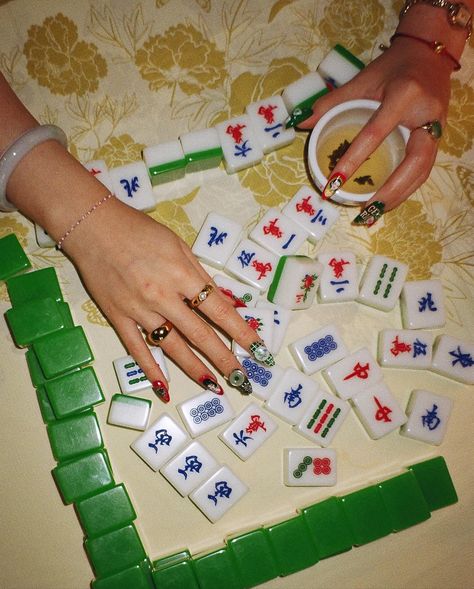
{"type": "Point", "coordinates": [356, 112]}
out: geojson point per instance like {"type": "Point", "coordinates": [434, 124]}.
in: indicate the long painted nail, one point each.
{"type": "Point", "coordinates": [370, 214]}
{"type": "Point", "coordinates": [261, 353]}
{"type": "Point", "coordinates": [211, 384]}
{"type": "Point", "coordinates": [334, 183]}
{"type": "Point", "coordinates": [160, 390]}
{"type": "Point", "coordinates": [238, 380]}
{"type": "Point", "coordinates": [298, 116]}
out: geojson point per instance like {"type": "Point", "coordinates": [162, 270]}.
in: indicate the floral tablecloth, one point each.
{"type": "Point", "coordinates": [118, 76]}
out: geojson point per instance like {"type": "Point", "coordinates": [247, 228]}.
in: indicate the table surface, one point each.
{"type": "Point", "coordinates": [141, 73]}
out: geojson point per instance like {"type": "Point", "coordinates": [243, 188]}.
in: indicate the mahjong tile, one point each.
{"type": "Point", "coordinates": [323, 418]}
{"type": "Point", "coordinates": [239, 143]}
{"type": "Point", "coordinates": [339, 280]}
{"type": "Point", "coordinates": [160, 442]}
{"type": "Point", "coordinates": [204, 412]}
{"type": "Point", "coordinates": [292, 396]}
{"type": "Point", "coordinates": [216, 240]}
{"type": "Point", "coordinates": [131, 377]}
{"type": "Point", "coordinates": [202, 149]}
{"type": "Point", "coordinates": [262, 378]}
{"type": "Point", "coordinates": [378, 410]}
{"type": "Point", "coordinates": [190, 468]}
{"type": "Point", "coordinates": [42, 238]}
{"type": "Point", "coordinates": [353, 374]}
{"type": "Point", "coordinates": [281, 320]}
{"type": "Point", "coordinates": [422, 304]}
{"type": "Point", "coordinates": [100, 171]}
{"type": "Point", "coordinates": [268, 118]}
{"type": "Point", "coordinates": [454, 358]}
{"type": "Point", "coordinates": [303, 92]}
{"type": "Point", "coordinates": [428, 416]}
{"type": "Point", "coordinates": [319, 349]}
{"type": "Point", "coordinates": [295, 283]}
{"type": "Point", "coordinates": [405, 348]}
{"type": "Point", "coordinates": [132, 186]}
{"type": "Point", "coordinates": [128, 411]}
{"type": "Point", "coordinates": [382, 283]}
{"type": "Point", "coordinates": [261, 321]}
{"type": "Point", "coordinates": [165, 162]}
{"type": "Point", "coordinates": [218, 494]}
{"type": "Point", "coordinates": [309, 467]}
{"type": "Point", "coordinates": [248, 431]}
{"type": "Point", "coordinates": [278, 233]}
{"type": "Point", "coordinates": [310, 211]}
{"type": "Point", "coordinates": [339, 66]}
{"type": "Point", "coordinates": [253, 264]}
{"type": "Point", "coordinates": [241, 294]}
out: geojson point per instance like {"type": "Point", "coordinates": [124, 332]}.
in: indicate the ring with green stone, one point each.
{"type": "Point", "coordinates": [434, 128]}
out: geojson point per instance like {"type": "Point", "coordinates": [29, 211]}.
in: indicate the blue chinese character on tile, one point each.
{"type": "Point", "coordinates": [319, 217]}
{"type": "Point", "coordinates": [215, 237]}
{"type": "Point", "coordinates": [431, 419]}
{"type": "Point", "coordinates": [241, 438]}
{"type": "Point", "coordinates": [245, 258]}
{"type": "Point", "coordinates": [464, 358]}
{"type": "Point", "coordinates": [222, 489]}
{"type": "Point", "coordinates": [191, 464]}
{"type": "Point", "coordinates": [427, 303]}
{"type": "Point", "coordinates": [285, 246]}
{"type": "Point", "coordinates": [336, 282]}
{"type": "Point", "coordinates": [130, 186]}
{"type": "Point", "coordinates": [242, 150]}
{"type": "Point", "coordinates": [293, 398]}
{"type": "Point", "coordinates": [162, 438]}
{"type": "Point", "coordinates": [273, 131]}
{"type": "Point", "coordinates": [419, 348]}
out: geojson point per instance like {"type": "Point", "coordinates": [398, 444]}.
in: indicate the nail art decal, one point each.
{"type": "Point", "coordinates": [211, 384]}
{"type": "Point", "coordinates": [238, 380]}
{"type": "Point", "coordinates": [370, 214]}
{"type": "Point", "coordinates": [298, 116]}
{"type": "Point", "coordinates": [334, 183]}
{"type": "Point", "coordinates": [261, 353]}
{"type": "Point", "coordinates": [160, 390]}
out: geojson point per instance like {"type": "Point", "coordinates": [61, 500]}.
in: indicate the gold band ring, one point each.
{"type": "Point", "coordinates": [201, 296]}
{"type": "Point", "coordinates": [156, 336]}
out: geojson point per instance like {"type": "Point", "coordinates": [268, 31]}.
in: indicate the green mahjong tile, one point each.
{"type": "Point", "coordinates": [12, 257]}
{"type": "Point", "coordinates": [39, 284]}
{"type": "Point", "coordinates": [115, 551]}
{"type": "Point", "coordinates": [435, 482]}
{"type": "Point", "coordinates": [83, 477]}
{"type": "Point", "coordinates": [132, 578]}
{"type": "Point", "coordinates": [47, 412]}
{"type": "Point", "coordinates": [329, 527]}
{"type": "Point", "coordinates": [217, 570]}
{"type": "Point", "coordinates": [292, 545]}
{"type": "Point", "coordinates": [34, 319]}
{"type": "Point", "coordinates": [74, 392]}
{"type": "Point", "coordinates": [106, 511]}
{"type": "Point", "coordinates": [62, 351]}
{"type": "Point", "coordinates": [65, 311]}
{"type": "Point", "coordinates": [254, 558]}
{"type": "Point", "coordinates": [404, 500]}
{"type": "Point", "coordinates": [36, 374]}
{"type": "Point", "coordinates": [367, 515]}
{"type": "Point", "coordinates": [174, 558]}
{"type": "Point", "coordinates": [179, 575]}
{"type": "Point", "coordinates": [74, 436]}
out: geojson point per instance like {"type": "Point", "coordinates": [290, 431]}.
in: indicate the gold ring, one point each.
{"type": "Point", "coordinates": [156, 336]}
{"type": "Point", "coordinates": [201, 296]}
{"type": "Point", "coordinates": [434, 128]}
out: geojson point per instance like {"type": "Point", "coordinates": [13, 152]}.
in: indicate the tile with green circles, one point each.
{"type": "Point", "coordinates": [329, 527]}
{"type": "Point", "coordinates": [62, 351]}
{"type": "Point", "coordinates": [34, 319]}
{"type": "Point", "coordinates": [217, 570]}
{"type": "Point", "coordinates": [179, 575]}
{"type": "Point", "coordinates": [84, 476]}
{"type": "Point", "coordinates": [12, 257]}
{"type": "Point", "coordinates": [254, 558]}
{"type": "Point", "coordinates": [109, 510]}
{"type": "Point", "coordinates": [115, 551]}
{"type": "Point", "coordinates": [73, 436]}
{"type": "Point", "coordinates": [435, 482]}
{"type": "Point", "coordinates": [132, 578]}
{"type": "Point", "coordinates": [39, 284]}
{"type": "Point", "coordinates": [367, 515]}
{"type": "Point", "coordinates": [47, 413]}
{"type": "Point", "coordinates": [404, 500]}
{"type": "Point", "coordinates": [74, 392]}
{"type": "Point", "coordinates": [292, 545]}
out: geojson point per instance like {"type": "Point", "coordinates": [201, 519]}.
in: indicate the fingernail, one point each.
{"type": "Point", "coordinates": [160, 390]}
{"type": "Point", "coordinates": [261, 353]}
{"type": "Point", "coordinates": [238, 380]}
{"type": "Point", "coordinates": [370, 214]}
{"type": "Point", "coordinates": [211, 384]}
{"type": "Point", "coordinates": [298, 116]}
{"type": "Point", "coordinates": [334, 183]}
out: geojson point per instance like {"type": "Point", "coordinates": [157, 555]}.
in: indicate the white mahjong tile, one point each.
{"type": "Point", "coordinates": [319, 349]}
{"type": "Point", "coordinates": [242, 295]}
{"type": "Point", "coordinates": [353, 374]}
{"type": "Point", "coordinates": [99, 169]}
{"type": "Point", "coordinates": [42, 238]}
{"type": "Point", "coordinates": [239, 143]}
{"type": "Point", "coordinates": [262, 378]}
{"type": "Point", "coordinates": [248, 431]}
{"type": "Point", "coordinates": [339, 280]}
{"type": "Point", "coordinates": [132, 186]}
{"type": "Point", "coordinates": [218, 494]}
{"type": "Point", "coordinates": [278, 233]}
{"type": "Point", "coordinates": [382, 283]}
{"type": "Point", "coordinates": [305, 90]}
{"type": "Point", "coordinates": [313, 213]}
{"type": "Point", "coordinates": [295, 282]}
{"type": "Point", "coordinates": [127, 411]}
{"type": "Point", "coordinates": [309, 467]}
{"type": "Point", "coordinates": [165, 162]}
{"type": "Point", "coordinates": [217, 239]}
{"type": "Point", "coordinates": [428, 416]}
{"type": "Point", "coordinates": [160, 442]}
{"type": "Point", "coordinates": [281, 320]}
{"type": "Point", "coordinates": [378, 410]}
{"type": "Point", "coordinates": [292, 396]}
{"type": "Point", "coordinates": [204, 412]}
{"type": "Point", "coordinates": [422, 304]}
{"type": "Point", "coordinates": [454, 358]}
{"type": "Point", "coordinates": [261, 321]}
{"type": "Point", "coordinates": [202, 149]}
{"type": "Point", "coordinates": [323, 419]}
{"type": "Point", "coordinates": [268, 118]}
{"type": "Point", "coordinates": [131, 377]}
{"type": "Point", "coordinates": [190, 468]}
{"type": "Point", "coordinates": [253, 264]}
{"type": "Point", "coordinates": [339, 66]}
{"type": "Point", "coordinates": [405, 348]}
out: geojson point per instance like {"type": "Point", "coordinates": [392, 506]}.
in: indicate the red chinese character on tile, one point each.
{"type": "Point", "coordinates": [94, 172]}
{"type": "Point", "coordinates": [383, 412]}
{"type": "Point", "coordinates": [361, 371]}
{"type": "Point", "coordinates": [255, 424]}
{"type": "Point", "coordinates": [304, 207]}
{"type": "Point", "coordinates": [399, 347]}
{"type": "Point", "coordinates": [236, 132]}
{"type": "Point", "coordinates": [267, 113]}
{"type": "Point", "coordinates": [272, 229]}
{"type": "Point", "coordinates": [338, 267]}
{"type": "Point", "coordinates": [261, 268]}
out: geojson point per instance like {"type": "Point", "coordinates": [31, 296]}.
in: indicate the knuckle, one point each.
{"type": "Point", "coordinates": [200, 333]}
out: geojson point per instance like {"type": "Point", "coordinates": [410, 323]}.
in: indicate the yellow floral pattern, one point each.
{"type": "Point", "coordinates": [458, 136]}
{"type": "Point", "coordinates": [119, 151]}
